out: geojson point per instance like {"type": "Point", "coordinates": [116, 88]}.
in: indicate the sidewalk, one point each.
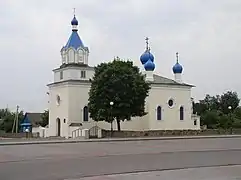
{"type": "Point", "coordinates": [54, 141]}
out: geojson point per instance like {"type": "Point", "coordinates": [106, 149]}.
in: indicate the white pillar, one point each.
{"type": "Point", "coordinates": [178, 77]}
{"type": "Point", "coordinates": [149, 76]}
{"type": "Point", "coordinates": [74, 27]}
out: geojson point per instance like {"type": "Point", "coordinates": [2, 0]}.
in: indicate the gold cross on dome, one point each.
{"type": "Point", "coordinates": [177, 56]}
{"type": "Point", "coordinates": [147, 43]}
{"type": "Point", "coordinates": [74, 11]}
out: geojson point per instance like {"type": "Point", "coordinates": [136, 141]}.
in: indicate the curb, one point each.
{"type": "Point", "coordinates": [116, 140]}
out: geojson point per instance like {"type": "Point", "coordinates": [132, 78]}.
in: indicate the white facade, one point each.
{"type": "Point", "coordinates": [169, 104]}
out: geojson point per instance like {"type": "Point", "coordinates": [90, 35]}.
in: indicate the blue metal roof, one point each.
{"type": "Point", "coordinates": [26, 124]}
{"type": "Point", "coordinates": [74, 41]}
{"type": "Point", "coordinates": [25, 121]}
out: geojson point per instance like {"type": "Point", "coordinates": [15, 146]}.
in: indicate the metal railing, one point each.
{"type": "Point", "coordinates": [77, 133]}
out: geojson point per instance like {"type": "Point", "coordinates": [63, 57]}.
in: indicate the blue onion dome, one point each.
{"type": "Point", "coordinates": [177, 68]}
{"type": "Point", "coordinates": [146, 56]}
{"type": "Point", "coordinates": [149, 65]}
{"type": "Point", "coordinates": [74, 22]}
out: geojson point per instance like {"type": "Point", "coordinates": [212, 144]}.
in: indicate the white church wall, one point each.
{"type": "Point", "coordinates": [159, 96]}
{"type": "Point", "coordinates": [135, 124]}
{"type": "Point", "coordinates": [57, 76]}
{"type": "Point", "coordinates": [78, 99]}
{"type": "Point", "coordinates": [196, 121]}
{"type": "Point", "coordinates": [74, 97]}
{"type": "Point", "coordinates": [58, 110]}
{"type": "Point", "coordinates": [73, 73]}
{"type": "Point", "coordinates": [39, 130]}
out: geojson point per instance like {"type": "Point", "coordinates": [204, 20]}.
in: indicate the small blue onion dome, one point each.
{"type": "Point", "coordinates": [146, 56]}
{"type": "Point", "coordinates": [149, 65]}
{"type": "Point", "coordinates": [74, 22]}
{"type": "Point", "coordinates": [177, 68]}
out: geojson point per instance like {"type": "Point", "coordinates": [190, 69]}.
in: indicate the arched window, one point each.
{"type": "Point", "coordinates": [86, 114]}
{"type": "Point", "coordinates": [159, 113]}
{"type": "Point", "coordinates": [181, 113]}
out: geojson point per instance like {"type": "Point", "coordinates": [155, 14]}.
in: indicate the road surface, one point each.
{"type": "Point", "coordinates": [218, 158]}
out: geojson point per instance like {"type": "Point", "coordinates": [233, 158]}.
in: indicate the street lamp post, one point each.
{"type": "Point", "coordinates": [111, 123]}
{"type": "Point", "coordinates": [230, 118]}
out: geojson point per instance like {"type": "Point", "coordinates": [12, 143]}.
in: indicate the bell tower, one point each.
{"type": "Point", "coordinates": [68, 93]}
{"type": "Point", "coordinates": [74, 52]}
{"type": "Point", "coordinates": [74, 58]}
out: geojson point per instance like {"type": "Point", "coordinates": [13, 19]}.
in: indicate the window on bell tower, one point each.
{"type": "Point", "coordinates": [81, 59]}
{"type": "Point", "coordinates": [81, 56]}
{"type": "Point", "coordinates": [61, 74]}
{"type": "Point", "coordinates": [83, 74]}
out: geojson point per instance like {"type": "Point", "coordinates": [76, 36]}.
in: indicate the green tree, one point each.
{"type": "Point", "coordinates": [207, 104]}
{"type": "Point", "coordinates": [214, 110]}
{"type": "Point", "coordinates": [227, 99]}
{"type": "Point", "coordinates": [45, 118]}
{"type": "Point", "coordinates": [8, 119]}
{"type": "Point", "coordinates": [119, 82]}
{"type": "Point", "coordinates": [237, 117]}
{"type": "Point", "coordinates": [210, 119]}
{"type": "Point", "coordinates": [237, 112]}
{"type": "Point", "coordinates": [225, 121]}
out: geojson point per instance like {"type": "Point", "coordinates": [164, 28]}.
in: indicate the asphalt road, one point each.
{"type": "Point", "coordinates": [85, 160]}
{"type": "Point", "coordinates": [204, 173]}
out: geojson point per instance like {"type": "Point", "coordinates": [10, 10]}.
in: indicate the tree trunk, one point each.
{"type": "Point", "coordinates": [118, 125]}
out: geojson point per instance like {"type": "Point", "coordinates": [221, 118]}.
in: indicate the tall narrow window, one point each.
{"type": "Point", "coordinates": [86, 114]}
{"type": "Point", "coordinates": [61, 75]}
{"type": "Point", "coordinates": [181, 113]}
{"type": "Point", "coordinates": [159, 113]}
{"type": "Point", "coordinates": [82, 74]}
{"type": "Point", "coordinates": [195, 122]}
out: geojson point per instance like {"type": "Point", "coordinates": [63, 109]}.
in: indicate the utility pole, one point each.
{"type": "Point", "coordinates": [15, 122]}
{"type": "Point", "coordinates": [17, 119]}
{"type": "Point", "coordinates": [13, 125]}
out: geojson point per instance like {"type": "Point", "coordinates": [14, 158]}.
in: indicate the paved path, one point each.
{"type": "Point", "coordinates": [85, 160]}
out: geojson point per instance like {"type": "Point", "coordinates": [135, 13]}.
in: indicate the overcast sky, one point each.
{"type": "Point", "coordinates": [206, 33]}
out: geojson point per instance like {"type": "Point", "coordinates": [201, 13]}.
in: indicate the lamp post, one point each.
{"type": "Point", "coordinates": [111, 125]}
{"type": "Point", "coordinates": [230, 118]}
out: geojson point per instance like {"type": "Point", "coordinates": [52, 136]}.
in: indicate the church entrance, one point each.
{"type": "Point", "coordinates": [58, 126]}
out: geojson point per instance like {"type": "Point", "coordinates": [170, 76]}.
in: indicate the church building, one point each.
{"type": "Point", "coordinates": [169, 104]}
